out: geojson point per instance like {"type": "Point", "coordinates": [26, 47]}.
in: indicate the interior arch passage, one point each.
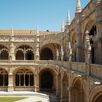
{"type": "Point", "coordinates": [46, 80]}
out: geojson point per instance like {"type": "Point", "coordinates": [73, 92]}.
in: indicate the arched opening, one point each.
{"type": "Point", "coordinates": [77, 92]}
{"type": "Point", "coordinates": [19, 55]}
{"type": "Point", "coordinates": [46, 54]}
{"type": "Point", "coordinates": [24, 52]}
{"type": "Point", "coordinates": [98, 99]}
{"type": "Point", "coordinates": [92, 31]}
{"type": "Point", "coordinates": [74, 48]}
{"type": "Point", "coordinates": [24, 78]}
{"type": "Point", "coordinates": [3, 79]}
{"type": "Point", "coordinates": [29, 55]}
{"type": "Point", "coordinates": [46, 80]}
{"type": "Point", "coordinates": [4, 55]}
{"type": "Point", "coordinates": [92, 34]}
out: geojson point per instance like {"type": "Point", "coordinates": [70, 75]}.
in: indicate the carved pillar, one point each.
{"type": "Point", "coordinates": [70, 52]}
{"type": "Point", "coordinates": [62, 74]}
{"type": "Point", "coordinates": [12, 53]}
{"type": "Point", "coordinates": [69, 88]}
{"type": "Point", "coordinates": [37, 55]}
{"type": "Point", "coordinates": [57, 54]}
{"type": "Point", "coordinates": [36, 80]}
{"type": "Point", "coordinates": [12, 47]}
{"type": "Point", "coordinates": [88, 48]}
{"type": "Point", "coordinates": [70, 67]}
{"type": "Point", "coordinates": [24, 54]}
{"type": "Point", "coordinates": [88, 53]}
{"type": "Point", "coordinates": [62, 53]}
{"type": "Point", "coordinates": [10, 82]}
{"type": "Point", "coordinates": [57, 84]}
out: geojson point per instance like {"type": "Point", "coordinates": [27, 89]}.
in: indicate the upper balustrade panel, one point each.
{"type": "Point", "coordinates": [25, 35]}
{"type": "Point", "coordinates": [7, 38]}
{"type": "Point", "coordinates": [92, 70]}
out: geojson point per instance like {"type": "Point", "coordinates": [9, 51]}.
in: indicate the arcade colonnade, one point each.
{"type": "Point", "coordinates": [67, 86]}
{"type": "Point", "coordinates": [50, 51]}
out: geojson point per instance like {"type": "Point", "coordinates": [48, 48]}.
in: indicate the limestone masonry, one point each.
{"type": "Point", "coordinates": [67, 64]}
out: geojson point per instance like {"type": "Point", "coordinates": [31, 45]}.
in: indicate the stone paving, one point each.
{"type": "Point", "coordinates": [31, 96]}
{"type": "Point", "coordinates": [34, 99]}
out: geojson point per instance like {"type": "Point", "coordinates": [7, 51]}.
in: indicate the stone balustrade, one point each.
{"type": "Point", "coordinates": [95, 70]}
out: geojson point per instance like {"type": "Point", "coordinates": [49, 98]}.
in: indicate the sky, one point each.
{"type": "Point", "coordinates": [41, 14]}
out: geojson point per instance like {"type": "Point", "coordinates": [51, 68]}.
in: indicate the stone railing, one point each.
{"type": "Point", "coordinates": [94, 70]}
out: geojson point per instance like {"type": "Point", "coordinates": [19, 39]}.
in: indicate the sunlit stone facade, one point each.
{"type": "Point", "coordinates": [67, 63]}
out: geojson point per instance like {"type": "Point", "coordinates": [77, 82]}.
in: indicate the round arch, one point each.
{"type": "Point", "coordinates": [24, 52]}
{"type": "Point", "coordinates": [46, 54]}
{"type": "Point", "coordinates": [91, 28]}
{"type": "Point", "coordinates": [4, 53]}
{"type": "Point", "coordinates": [19, 54]}
{"type": "Point", "coordinates": [29, 54]}
{"type": "Point", "coordinates": [50, 51]}
{"type": "Point", "coordinates": [96, 94]}
{"type": "Point", "coordinates": [46, 42]}
{"type": "Point", "coordinates": [77, 91]}
{"type": "Point", "coordinates": [3, 79]}
{"type": "Point", "coordinates": [24, 79]}
{"type": "Point", "coordinates": [47, 80]}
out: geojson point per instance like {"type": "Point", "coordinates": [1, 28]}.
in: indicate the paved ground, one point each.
{"type": "Point", "coordinates": [34, 99]}
{"type": "Point", "coordinates": [31, 96]}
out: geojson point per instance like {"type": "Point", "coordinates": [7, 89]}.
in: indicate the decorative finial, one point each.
{"type": "Point", "coordinates": [62, 27]}
{"type": "Point", "coordinates": [68, 18]}
{"type": "Point", "coordinates": [78, 7]}
{"type": "Point", "coordinates": [12, 31]}
{"type": "Point", "coordinates": [37, 30]}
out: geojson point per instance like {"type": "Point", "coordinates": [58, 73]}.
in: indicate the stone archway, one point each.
{"type": "Point", "coordinates": [4, 52]}
{"type": "Point", "coordinates": [24, 80]}
{"type": "Point", "coordinates": [77, 91]}
{"type": "Point", "coordinates": [46, 54]}
{"type": "Point", "coordinates": [19, 55]}
{"type": "Point", "coordinates": [46, 80]}
{"type": "Point", "coordinates": [29, 55]}
{"type": "Point", "coordinates": [3, 79]}
{"type": "Point", "coordinates": [91, 31]}
{"type": "Point", "coordinates": [98, 99]}
{"type": "Point", "coordinates": [24, 52]}
{"type": "Point", "coordinates": [50, 51]}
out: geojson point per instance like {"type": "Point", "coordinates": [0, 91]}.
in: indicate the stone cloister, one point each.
{"type": "Point", "coordinates": [67, 64]}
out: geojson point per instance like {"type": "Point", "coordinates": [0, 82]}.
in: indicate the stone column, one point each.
{"type": "Point", "coordinates": [70, 67]}
{"type": "Point", "coordinates": [57, 54]}
{"type": "Point", "coordinates": [12, 51]}
{"type": "Point", "coordinates": [12, 47]}
{"type": "Point", "coordinates": [88, 53]}
{"type": "Point", "coordinates": [36, 81]}
{"type": "Point", "coordinates": [69, 88]}
{"type": "Point", "coordinates": [62, 53]}
{"type": "Point", "coordinates": [57, 85]}
{"type": "Point", "coordinates": [61, 99]}
{"type": "Point", "coordinates": [10, 82]}
{"type": "Point", "coordinates": [37, 55]}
